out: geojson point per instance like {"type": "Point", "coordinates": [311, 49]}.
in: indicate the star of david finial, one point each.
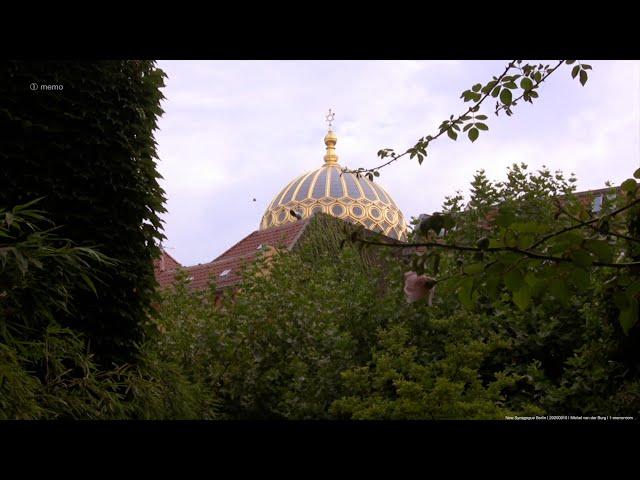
{"type": "Point", "coordinates": [329, 118]}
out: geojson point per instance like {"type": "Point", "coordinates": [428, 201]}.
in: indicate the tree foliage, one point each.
{"type": "Point", "coordinates": [48, 371]}
{"type": "Point", "coordinates": [88, 150]}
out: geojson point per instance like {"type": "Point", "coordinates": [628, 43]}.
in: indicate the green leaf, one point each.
{"type": "Point", "coordinates": [473, 268]}
{"type": "Point", "coordinates": [602, 249]}
{"type": "Point", "coordinates": [633, 289]}
{"type": "Point", "coordinates": [476, 87]}
{"type": "Point", "coordinates": [581, 278]}
{"type": "Point", "coordinates": [629, 185]}
{"type": "Point", "coordinates": [522, 298]}
{"type": "Point", "coordinates": [495, 92]}
{"type": "Point", "coordinates": [569, 62]}
{"type": "Point", "coordinates": [505, 218]}
{"type": "Point", "coordinates": [583, 77]}
{"type": "Point", "coordinates": [452, 135]}
{"type": "Point", "coordinates": [575, 71]}
{"type": "Point", "coordinates": [465, 293]}
{"type": "Point", "coordinates": [526, 83]}
{"type": "Point", "coordinates": [558, 288]}
{"type": "Point", "coordinates": [581, 258]}
{"type": "Point", "coordinates": [621, 300]}
{"type": "Point", "coordinates": [473, 134]}
{"type": "Point", "coordinates": [481, 117]}
{"type": "Point", "coordinates": [629, 316]}
{"type": "Point", "coordinates": [513, 280]}
{"type": "Point", "coordinates": [481, 126]}
{"type": "Point", "coordinates": [505, 96]}
{"type": "Point", "coordinates": [636, 174]}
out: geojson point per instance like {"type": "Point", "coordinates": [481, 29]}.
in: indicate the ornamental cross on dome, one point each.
{"type": "Point", "coordinates": [329, 118]}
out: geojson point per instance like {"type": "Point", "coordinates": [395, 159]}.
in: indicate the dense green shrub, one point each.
{"type": "Point", "coordinates": [89, 150]}
{"type": "Point", "coordinates": [48, 371]}
{"type": "Point", "coordinates": [327, 333]}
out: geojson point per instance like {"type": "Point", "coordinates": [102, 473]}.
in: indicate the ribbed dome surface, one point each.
{"type": "Point", "coordinates": [342, 195]}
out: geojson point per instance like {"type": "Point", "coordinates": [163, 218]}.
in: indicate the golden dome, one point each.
{"type": "Point", "coordinates": [342, 195]}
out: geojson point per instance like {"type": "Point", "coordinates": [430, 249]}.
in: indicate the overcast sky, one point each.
{"type": "Point", "coordinates": [233, 131]}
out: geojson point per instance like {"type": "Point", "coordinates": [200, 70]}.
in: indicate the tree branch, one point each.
{"type": "Point", "coordinates": [454, 122]}
{"type": "Point", "coordinates": [467, 248]}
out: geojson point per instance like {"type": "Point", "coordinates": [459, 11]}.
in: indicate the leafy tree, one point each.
{"type": "Point", "coordinates": [88, 150]}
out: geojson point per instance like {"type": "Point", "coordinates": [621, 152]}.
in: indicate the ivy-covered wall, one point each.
{"type": "Point", "coordinates": [87, 148]}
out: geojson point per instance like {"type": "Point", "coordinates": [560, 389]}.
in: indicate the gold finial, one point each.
{"type": "Point", "coordinates": [330, 141]}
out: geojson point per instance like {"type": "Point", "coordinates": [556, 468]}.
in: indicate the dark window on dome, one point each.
{"type": "Point", "coordinates": [335, 184]}
{"type": "Point", "coordinates": [357, 211]}
{"type": "Point", "coordinates": [352, 188]}
{"type": "Point", "coordinates": [368, 222]}
{"type": "Point", "coordinates": [304, 188]}
{"type": "Point", "coordinates": [337, 210]}
{"type": "Point", "coordinates": [375, 213]}
{"type": "Point", "coordinates": [281, 216]}
{"type": "Point", "coordinates": [368, 192]}
{"type": "Point", "coordinates": [287, 198]}
{"type": "Point", "coordinates": [381, 194]}
{"type": "Point", "coordinates": [321, 184]}
{"type": "Point", "coordinates": [315, 209]}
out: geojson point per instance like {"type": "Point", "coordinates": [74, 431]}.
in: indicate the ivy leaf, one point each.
{"type": "Point", "coordinates": [473, 134]}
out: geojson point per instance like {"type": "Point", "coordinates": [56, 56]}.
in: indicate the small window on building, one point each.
{"type": "Point", "coordinates": [597, 204]}
{"type": "Point", "coordinates": [225, 272]}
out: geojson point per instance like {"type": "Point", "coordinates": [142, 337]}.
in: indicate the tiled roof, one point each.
{"type": "Point", "coordinates": [166, 262]}
{"type": "Point", "coordinates": [234, 258]}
